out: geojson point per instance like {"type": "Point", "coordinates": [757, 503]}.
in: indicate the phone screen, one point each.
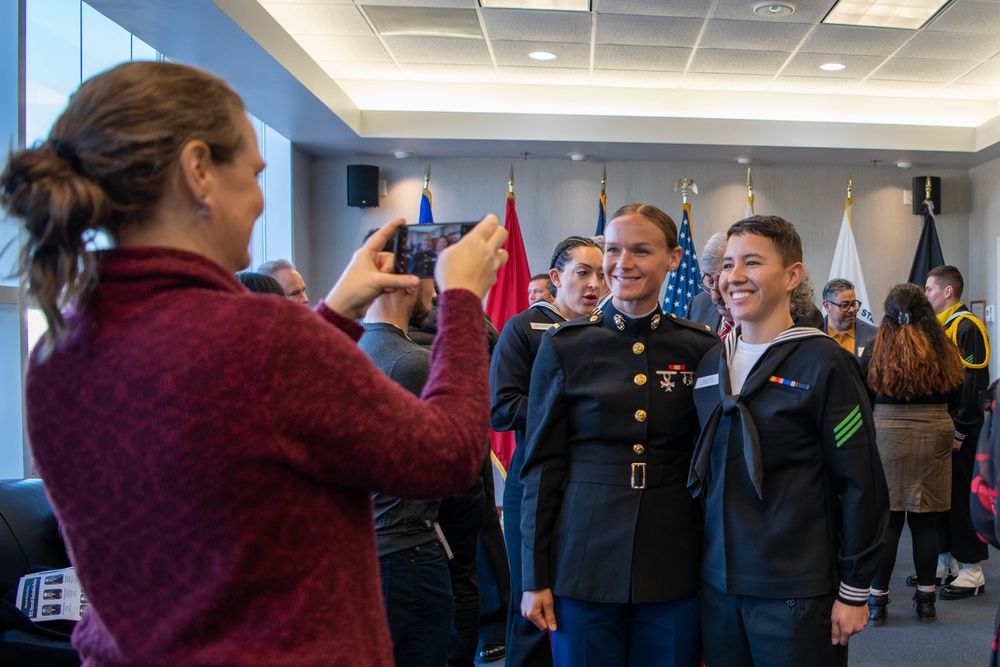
{"type": "Point", "coordinates": [417, 246]}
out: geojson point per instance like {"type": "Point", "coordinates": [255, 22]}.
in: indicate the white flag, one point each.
{"type": "Point", "coordinates": [846, 264]}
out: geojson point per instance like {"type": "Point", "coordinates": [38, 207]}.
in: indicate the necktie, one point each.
{"type": "Point", "coordinates": [726, 327]}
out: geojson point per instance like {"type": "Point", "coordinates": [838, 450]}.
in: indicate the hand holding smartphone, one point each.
{"type": "Point", "coordinates": [417, 246]}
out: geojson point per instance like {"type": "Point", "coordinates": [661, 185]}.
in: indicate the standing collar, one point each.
{"type": "Point", "coordinates": [633, 326]}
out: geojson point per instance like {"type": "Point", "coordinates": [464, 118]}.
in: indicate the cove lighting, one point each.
{"type": "Point", "coordinates": [905, 14]}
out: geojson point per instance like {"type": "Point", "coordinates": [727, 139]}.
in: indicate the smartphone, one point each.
{"type": "Point", "coordinates": [417, 246]}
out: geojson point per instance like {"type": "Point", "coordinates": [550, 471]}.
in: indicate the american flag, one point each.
{"type": "Point", "coordinates": [682, 286]}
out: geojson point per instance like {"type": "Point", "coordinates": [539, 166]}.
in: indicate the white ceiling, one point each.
{"type": "Point", "coordinates": [634, 79]}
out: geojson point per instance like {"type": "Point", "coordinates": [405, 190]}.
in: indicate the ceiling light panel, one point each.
{"type": "Point", "coordinates": [907, 14]}
{"type": "Point", "coordinates": [424, 21]}
{"type": "Point", "coordinates": [557, 5]}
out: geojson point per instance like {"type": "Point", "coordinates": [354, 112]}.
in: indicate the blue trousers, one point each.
{"type": "Point", "coordinates": [416, 590]}
{"type": "Point", "coordinates": [600, 634]}
{"type": "Point", "coordinates": [740, 630]}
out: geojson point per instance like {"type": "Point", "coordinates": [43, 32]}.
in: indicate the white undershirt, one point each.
{"type": "Point", "coordinates": [744, 358]}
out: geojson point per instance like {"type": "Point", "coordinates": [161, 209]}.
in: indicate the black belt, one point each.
{"type": "Point", "coordinates": [634, 475]}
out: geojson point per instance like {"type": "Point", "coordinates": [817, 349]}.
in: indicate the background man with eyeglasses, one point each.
{"type": "Point", "coordinates": [841, 321]}
{"type": "Point", "coordinates": [707, 307]}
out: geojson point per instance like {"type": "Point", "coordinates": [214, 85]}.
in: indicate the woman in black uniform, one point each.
{"type": "Point", "coordinates": [577, 275]}
{"type": "Point", "coordinates": [608, 524]}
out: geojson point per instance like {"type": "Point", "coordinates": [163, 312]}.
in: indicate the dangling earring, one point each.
{"type": "Point", "coordinates": [202, 210]}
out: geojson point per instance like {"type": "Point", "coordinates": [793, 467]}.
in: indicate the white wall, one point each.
{"type": "Point", "coordinates": [984, 229]}
{"type": "Point", "coordinates": [556, 198]}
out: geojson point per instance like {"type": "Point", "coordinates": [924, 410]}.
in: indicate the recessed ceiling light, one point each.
{"type": "Point", "coordinates": [885, 13]}
{"type": "Point", "coordinates": [832, 67]}
{"type": "Point", "coordinates": [578, 157]}
{"type": "Point", "coordinates": [542, 55]}
{"type": "Point", "coordinates": [775, 9]}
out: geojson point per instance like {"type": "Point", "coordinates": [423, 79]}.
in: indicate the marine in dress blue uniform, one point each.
{"type": "Point", "coordinates": [607, 522]}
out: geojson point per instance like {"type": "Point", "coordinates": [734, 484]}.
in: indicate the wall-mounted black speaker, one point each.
{"type": "Point", "coordinates": [362, 185]}
{"type": "Point", "coordinates": [920, 194]}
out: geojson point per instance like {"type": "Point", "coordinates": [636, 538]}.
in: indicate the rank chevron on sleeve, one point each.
{"type": "Point", "coordinates": [848, 426]}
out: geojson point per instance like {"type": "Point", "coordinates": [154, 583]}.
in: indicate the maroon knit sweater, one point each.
{"type": "Point", "coordinates": [210, 454]}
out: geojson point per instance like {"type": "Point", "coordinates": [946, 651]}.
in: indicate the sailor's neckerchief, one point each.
{"type": "Point", "coordinates": [735, 405]}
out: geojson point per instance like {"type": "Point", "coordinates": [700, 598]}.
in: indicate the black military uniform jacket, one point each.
{"type": "Point", "coordinates": [510, 374]}
{"type": "Point", "coordinates": [611, 427]}
{"type": "Point", "coordinates": [796, 502]}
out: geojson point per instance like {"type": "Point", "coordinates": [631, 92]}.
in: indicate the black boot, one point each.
{"type": "Point", "coordinates": [877, 612]}
{"type": "Point", "coordinates": [923, 605]}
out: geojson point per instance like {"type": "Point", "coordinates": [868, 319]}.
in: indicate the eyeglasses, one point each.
{"type": "Point", "coordinates": [846, 305]}
{"type": "Point", "coordinates": [707, 283]}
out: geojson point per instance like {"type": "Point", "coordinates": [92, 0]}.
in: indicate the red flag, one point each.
{"type": "Point", "coordinates": [508, 298]}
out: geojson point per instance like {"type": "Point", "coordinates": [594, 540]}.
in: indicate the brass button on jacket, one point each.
{"type": "Point", "coordinates": [639, 379]}
{"type": "Point", "coordinates": [640, 415]}
{"type": "Point", "coordinates": [639, 449]}
{"type": "Point", "coordinates": [638, 348]}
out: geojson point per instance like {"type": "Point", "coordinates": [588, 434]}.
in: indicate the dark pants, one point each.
{"type": "Point", "coordinates": [494, 575]}
{"type": "Point", "coordinates": [955, 530]}
{"type": "Point", "coordinates": [527, 646]}
{"type": "Point", "coordinates": [923, 529]}
{"type": "Point", "coordinates": [461, 519]}
{"type": "Point", "coordinates": [740, 630]}
{"type": "Point", "coordinates": [416, 591]}
{"type": "Point", "coordinates": [600, 634]}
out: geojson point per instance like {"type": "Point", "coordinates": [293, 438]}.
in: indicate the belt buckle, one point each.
{"type": "Point", "coordinates": [638, 473]}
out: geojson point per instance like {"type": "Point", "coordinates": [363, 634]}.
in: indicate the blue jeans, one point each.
{"type": "Point", "coordinates": [416, 591]}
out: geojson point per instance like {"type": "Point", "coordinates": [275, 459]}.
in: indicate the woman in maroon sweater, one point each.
{"type": "Point", "coordinates": [209, 452]}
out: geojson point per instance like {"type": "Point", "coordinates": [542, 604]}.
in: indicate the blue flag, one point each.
{"type": "Point", "coordinates": [426, 216]}
{"type": "Point", "coordinates": [602, 214]}
{"type": "Point", "coordinates": [683, 284]}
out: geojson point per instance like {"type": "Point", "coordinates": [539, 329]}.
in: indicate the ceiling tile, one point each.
{"type": "Point", "coordinates": [647, 30]}
{"type": "Point", "coordinates": [721, 34]}
{"type": "Point", "coordinates": [689, 8]}
{"type": "Point", "coordinates": [344, 49]}
{"type": "Point", "coordinates": [985, 74]}
{"type": "Point", "coordinates": [807, 64]}
{"type": "Point", "coordinates": [740, 82]}
{"type": "Point", "coordinates": [528, 25]}
{"type": "Point", "coordinates": [735, 61]}
{"type": "Point", "coordinates": [635, 78]}
{"type": "Point", "coordinates": [565, 77]}
{"type": "Point", "coordinates": [314, 19]}
{"type": "Point", "coordinates": [515, 54]}
{"type": "Point", "coordinates": [856, 40]}
{"type": "Point", "coordinates": [806, 11]}
{"type": "Point", "coordinates": [265, 3]}
{"type": "Point", "coordinates": [973, 16]}
{"type": "Point", "coordinates": [946, 46]}
{"type": "Point", "coordinates": [922, 69]}
{"type": "Point", "coordinates": [444, 50]}
{"type": "Point", "coordinates": [667, 59]}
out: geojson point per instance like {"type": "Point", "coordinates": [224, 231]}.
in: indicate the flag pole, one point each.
{"type": "Point", "coordinates": [749, 187]}
{"type": "Point", "coordinates": [427, 175]}
{"type": "Point", "coordinates": [850, 198]}
{"type": "Point", "coordinates": [510, 181]}
{"type": "Point", "coordinates": [604, 180]}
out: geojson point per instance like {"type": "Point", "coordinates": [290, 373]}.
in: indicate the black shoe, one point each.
{"type": "Point", "coordinates": [951, 592]}
{"type": "Point", "coordinates": [911, 580]}
{"type": "Point", "coordinates": [877, 612]}
{"type": "Point", "coordinates": [492, 653]}
{"type": "Point", "coordinates": [923, 606]}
